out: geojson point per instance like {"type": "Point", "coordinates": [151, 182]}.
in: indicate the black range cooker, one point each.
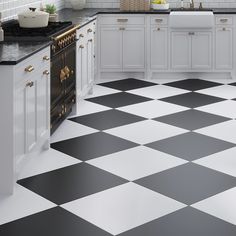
{"type": "Point", "coordinates": [63, 59]}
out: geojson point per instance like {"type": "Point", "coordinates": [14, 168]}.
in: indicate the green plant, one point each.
{"type": "Point", "coordinates": [51, 8]}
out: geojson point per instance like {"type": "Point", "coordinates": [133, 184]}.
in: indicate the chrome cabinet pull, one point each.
{"type": "Point", "coordinates": [90, 40]}
{"type": "Point", "coordinates": [159, 20]}
{"type": "Point", "coordinates": [191, 33]}
{"type": "Point", "coordinates": [122, 28]}
{"type": "Point", "coordinates": [46, 72]}
{"type": "Point", "coordinates": [29, 69]}
{"type": "Point", "coordinates": [30, 84]}
{"type": "Point", "coordinates": [46, 58]}
{"type": "Point", "coordinates": [122, 20]}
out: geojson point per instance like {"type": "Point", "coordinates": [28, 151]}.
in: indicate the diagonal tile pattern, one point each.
{"type": "Point", "coordinates": [173, 138]}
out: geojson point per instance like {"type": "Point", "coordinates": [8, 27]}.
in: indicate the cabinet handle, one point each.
{"type": "Point", "coordinates": [223, 20]}
{"type": "Point", "coordinates": [46, 72]}
{"type": "Point", "coordinates": [81, 35]}
{"type": "Point", "coordinates": [29, 69]}
{"type": "Point", "coordinates": [89, 31]}
{"type": "Point", "coordinates": [90, 40]}
{"type": "Point", "coordinates": [122, 20]}
{"type": "Point", "coordinates": [30, 84]}
{"type": "Point", "coordinates": [122, 28]}
{"type": "Point", "coordinates": [46, 58]}
{"type": "Point", "coordinates": [159, 20]}
{"type": "Point", "coordinates": [81, 46]}
{"type": "Point", "coordinates": [224, 29]}
{"type": "Point", "coordinates": [191, 33]}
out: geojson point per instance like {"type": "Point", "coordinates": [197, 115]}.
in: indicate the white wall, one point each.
{"type": "Point", "coordinates": [10, 8]}
{"type": "Point", "coordinates": [174, 3]}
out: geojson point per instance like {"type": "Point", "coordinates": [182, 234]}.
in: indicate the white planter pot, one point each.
{"type": "Point", "coordinates": [78, 4]}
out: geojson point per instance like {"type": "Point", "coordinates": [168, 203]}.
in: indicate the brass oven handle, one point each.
{"type": "Point", "coordinates": [67, 32]}
{"type": "Point", "coordinates": [67, 71]}
{"type": "Point", "coordinates": [62, 75]}
{"type": "Point", "coordinates": [122, 20]}
{"type": "Point", "coordinates": [29, 69]}
{"type": "Point", "coordinates": [46, 72]}
{"type": "Point", "coordinates": [30, 84]}
{"type": "Point", "coordinates": [46, 58]}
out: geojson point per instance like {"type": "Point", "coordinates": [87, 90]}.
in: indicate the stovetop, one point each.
{"type": "Point", "coordinates": [13, 32]}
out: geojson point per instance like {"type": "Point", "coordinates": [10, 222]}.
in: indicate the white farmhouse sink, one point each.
{"type": "Point", "coordinates": [191, 19]}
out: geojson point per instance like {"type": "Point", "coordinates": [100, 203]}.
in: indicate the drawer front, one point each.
{"type": "Point", "coordinates": [32, 66]}
{"type": "Point", "coordinates": [224, 20]}
{"type": "Point", "coordinates": [122, 20]}
{"type": "Point", "coordinates": [159, 20]}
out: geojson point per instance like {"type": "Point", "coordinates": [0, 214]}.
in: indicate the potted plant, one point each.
{"type": "Point", "coordinates": [78, 4]}
{"type": "Point", "coordinates": [51, 9]}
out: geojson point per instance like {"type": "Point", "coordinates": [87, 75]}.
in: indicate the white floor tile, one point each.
{"type": "Point", "coordinates": [224, 131]}
{"type": "Point", "coordinates": [22, 203]}
{"type": "Point", "coordinates": [223, 161]}
{"type": "Point", "coordinates": [224, 108]}
{"type": "Point", "coordinates": [146, 131]}
{"type": "Point", "coordinates": [136, 163]}
{"type": "Point", "coordinates": [86, 107]}
{"type": "Point", "coordinates": [70, 129]}
{"type": "Point", "coordinates": [46, 161]}
{"type": "Point", "coordinates": [153, 109]}
{"type": "Point", "coordinates": [222, 206]}
{"type": "Point", "coordinates": [224, 91]}
{"type": "Point", "coordinates": [158, 91]}
{"type": "Point", "coordinates": [122, 208]}
{"type": "Point", "coordinates": [101, 91]}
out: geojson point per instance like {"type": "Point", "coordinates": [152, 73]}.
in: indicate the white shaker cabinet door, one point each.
{"type": "Point", "coordinates": [180, 50]}
{"type": "Point", "coordinates": [111, 48]}
{"type": "Point", "coordinates": [201, 50]}
{"type": "Point", "coordinates": [159, 48]}
{"type": "Point", "coordinates": [134, 48]}
{"type": "Point", "coordinates": [224, 48]}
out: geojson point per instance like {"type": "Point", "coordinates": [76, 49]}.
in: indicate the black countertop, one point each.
{"type": "Point", "coordinates": [12, 53]}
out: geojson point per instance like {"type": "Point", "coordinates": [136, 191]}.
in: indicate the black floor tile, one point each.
{"type": "Point", "coordinates": [233, 84]}
{"type": "Point", "coordinates": [118, 99]}
{"type": "Point", "coordinates": [191, 119]}
{"type": "Point", "coordinates": [193, 84]}
{"type": "Point", "coordinates": [127, 84]}
{"type": "Point", "coordinates": [107, 119]}
{"type": "Point", "coordinates": [185, 222]}
{"type": "Point", "coordinates": [71, 183]}
{"type": "Point", "coordinates": [53, 222]}
{"type": "Point", "coordinates": [192, 100]}
{"type": "Point", "coordinates": [191, 146]}
{"type": "Point", "coordinates": [92, 146]}
{"type": "Point", "coordinates": [189, 183]}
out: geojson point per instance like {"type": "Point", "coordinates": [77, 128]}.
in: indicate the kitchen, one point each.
{"type": "Point", "coordinates": [117, 118]}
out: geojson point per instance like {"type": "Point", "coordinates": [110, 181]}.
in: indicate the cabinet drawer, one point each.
{"type": "Point", "coordinates": [32, 66]}
{"type": "Point", "coordinates": [159, 20]}
{"type": "Point", "coordinates": [122, 20]}
{"type": "Point", "coordinates": [224, 20]}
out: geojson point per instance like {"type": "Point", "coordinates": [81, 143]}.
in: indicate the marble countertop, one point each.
{"type": "Point", "coordinates": [12, 53]}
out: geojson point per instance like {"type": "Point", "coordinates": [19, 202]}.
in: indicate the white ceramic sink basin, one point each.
{"type": "Point", "coordinates": [191, 19]}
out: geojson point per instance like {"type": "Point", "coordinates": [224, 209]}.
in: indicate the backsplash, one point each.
{"type": "Point", "coordinates": [173, 3]}
{"type": "Point", "coordinates": [10, 8]}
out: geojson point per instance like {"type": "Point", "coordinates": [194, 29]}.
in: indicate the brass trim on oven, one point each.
{"type": "Point", "coordinates": [67, 32]}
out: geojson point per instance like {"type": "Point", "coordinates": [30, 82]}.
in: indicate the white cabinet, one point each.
{"type": "Point", "coordinates": [133, 48]}
{"type": "Point", "coordinates": [180, 50]}
{"type": "Point", "coordinates": [191, 50]}
{"type": "Point", "coordinates": [202, 50]}
{"type": "Point", "coordinates": [224, 48]}
{"type": "Point", "coordinates": [26, 122]}
{"type": "Point", "coordinates": [159, 48]}
{"type": "Point", "coordinates": [122, 42]}
{"type": "Point", "coordinates": [85, 54]}
{"type": "Point", "coordinates": [111, 48]}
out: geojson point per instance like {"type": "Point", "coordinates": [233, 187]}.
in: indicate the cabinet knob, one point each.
{"type": "Point", "coordinates": [46, 58]}
{"type": "Point", "coordinates": [191, 33]}
{"type": "Point", "coordinates": [224, 29]}
{"type": "Point", "coordinates": [90, 40]}
{"type": "Point", "coordinates": [122, 28]}
{"type": "Point", "coordinates": [29, 69]}
{"type": "Point", "coordinates": [89, 30]}
{"type": "Point", "coordinates": [158, 29]}
{"type": "Point", "coordinates": [46, 72]}
{"type": "Point", "coordinates": [30, 84]}
{"type": "Point", "coordinates": [81, 35]}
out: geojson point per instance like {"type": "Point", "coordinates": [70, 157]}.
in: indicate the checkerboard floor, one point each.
{"type": "Point", "coordinates": [140, 158]}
